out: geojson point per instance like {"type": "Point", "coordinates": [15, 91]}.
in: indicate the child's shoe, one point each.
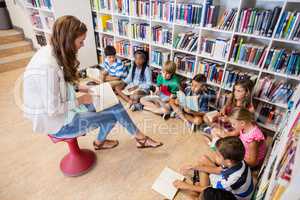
{"type": "Point", "coordinates": [136, 107]}
{"type": "Point", "coordinates": [191, 126]}
{"type": "Point", "coordinates": [173, 114]}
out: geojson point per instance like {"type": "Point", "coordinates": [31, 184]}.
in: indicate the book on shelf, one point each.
{"type": "Point", "coordinates": [106, 22]}
{"type": "Point", "coordinates": [40, 3]}
{"type": "Point", "coordinates": [122, 7]}
{"type": "Point", "coordinates": [163, 11]}
{"type": "Point", "coordinates": [41, 38]}
{"type": "Point", "coordinates": [231, 76]}
{"type": "Point", "coordinates": [123, 27]}
{"type": "Point", "coordinates": [107, 40]}
{"type": "Point", "coordinates": [144, 47]}
{"type": "Point", "coordinates": [283, 61]}
{"type": "Point", "coordinates": [227, 20]}
{"type": "Point", "coordinates": [97, 40]}
{"type": "Point", "coordinates": [247, 53]}
{"type": "Point", "coordinates": [123, 48]}
{"type": "Point", "coordinates": [36, 19]}
{"type": "Point", "coordinates": [211, 14]}
{"type": "Point", "coordinates": [276, 91]}
{"type": "Point", "coordinates": [141, 31]}
{"type": "Point", "coordinates": [214, 47]}
{"type": "Point", "coordinates": [186, 41]}
{"type": "Point", "coordinates": [212, 70]}
{"type": "Point", "coordinates": [258, 21]}
{"type": "Point", "coordinates": [185, 63]}
{"type": "Point", "coordinates": [101, 5]}
{"type": "Point", "coordinates": [162, 35]}
{"type": "Point", "coordinates": [269, 115]}
{"type": "Point", "coordinates": [140, 8]}
{"type": "Point", "coordinates": [159, 57]}
{"type": "Point", "coordinates": [289, 26]}
{"type": "Point", "coordinates": [188, 13]}
{"type": "Point", "coordinates": [95, 21]}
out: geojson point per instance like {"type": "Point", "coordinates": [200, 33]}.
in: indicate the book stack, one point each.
{"type": "Point", "coordinates": [107, 40]}
{"type": "Point", "coordinates": [214, 47]}
{"type": "Point", "coordinates": [276, 91]}
{"type": "Point", "coordinates": [162, 35]}
{"type": "Point", "coordinates": [231, 76]}
{"type": "Point", "coordinates": [186, 41]}
{"type": "Point", "coordinates": [289, 26]}
{"type": "Point", "coordinates": [211, 13]}
{"type": "Point", "coordinates": [162, 11]}
{"type": "Point", "coordinates": [122, 7]}
{"type": "Point", "coordinates": [144, 47]}
{"type": "Point", "coordinates": [268, 114]}
{"type": "Point", "coordinates": [140, 31]}
{"type": "Point", "coordinates": [212, 70]}
{"type": "Point", "coordinates": [257, 21]}
{"type": "Point", "coordinates": [101, 4]}
{"type": "Point", "coordinates": [40, 3]}
{"type": "Point", "coordinates": [185, 63]}
{"type": "Point", "coordinates": [141, 8]}
{"type": "Point", "coordinates": [283, 61]}
{"type": "Point", "coordinates": [188, 13]}
{"type": "Point", "coordinates": [41, 39]}
{"type": "Point", "coordinates": [123, 27]}
{"type": "Point", "coordinates": [228, 19]}
{"type": "Point", "coordinates": [36, 19]}
{"type": "Point", "coordinates": [123, 48]}
{"type": "Point", "coordinates": [247, 53]}
{"type": "Point", "coordinates": [159, 57]}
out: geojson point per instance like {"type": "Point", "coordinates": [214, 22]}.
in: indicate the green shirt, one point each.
{"type": "Point", "coordinates": [172, 84]}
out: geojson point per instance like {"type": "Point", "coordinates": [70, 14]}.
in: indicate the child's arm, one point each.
{"type": "Point", "coordinates": [111, 78]}
{"type": "Point", "coordinates": [251, 158]}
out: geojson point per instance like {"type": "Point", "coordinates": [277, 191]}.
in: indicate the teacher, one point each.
{"type": "Point", "coordinates": [50, 100]}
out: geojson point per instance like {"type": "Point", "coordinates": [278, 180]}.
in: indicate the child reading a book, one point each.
{"type": "Point", "coordinates": [192, 114]}
{"type": "Point", "coordinates": [167, 84]}
{"type": "Point", "coordinates": [113, 69]}
{"type": "Point", "coordinates": [138, 81]}
{"type": "Point", "coordinates": [235, 175]}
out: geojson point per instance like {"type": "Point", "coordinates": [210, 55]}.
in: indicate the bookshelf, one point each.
{"type": "Point", "coordinates": [42, 14]}
{"type": "Point", "coordinates": [205, 28]}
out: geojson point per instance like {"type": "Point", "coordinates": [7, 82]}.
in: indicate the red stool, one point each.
{"type": "Point", "coordinates": [77, 161]}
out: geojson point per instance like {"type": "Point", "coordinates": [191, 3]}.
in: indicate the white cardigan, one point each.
{"type": "Point", "coordinates": [45, 93]}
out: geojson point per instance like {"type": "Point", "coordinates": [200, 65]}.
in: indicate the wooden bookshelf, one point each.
{"type": "Point", "coordinates": [176, 27]}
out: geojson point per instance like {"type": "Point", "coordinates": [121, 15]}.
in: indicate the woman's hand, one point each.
{"type": "Point", "coordinates": [85, 99]}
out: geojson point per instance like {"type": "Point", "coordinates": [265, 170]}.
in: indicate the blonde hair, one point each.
{"type": "Point", "coordinates": [169, 67]}
{"type": "Point", "coordinates": [242, 114]}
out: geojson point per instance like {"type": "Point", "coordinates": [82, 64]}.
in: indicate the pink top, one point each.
{"type": "Point", "coordinates": [254, 135]}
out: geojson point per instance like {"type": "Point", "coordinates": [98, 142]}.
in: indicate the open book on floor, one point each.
{"type": "Point", "coordinates": [130, 90]}
{"type": "Point", "coordinates": [103, 96]}
{"type": "Point", "coordinates": [164, 183]}
{"type": "Point", "coordinates": [190, 102]}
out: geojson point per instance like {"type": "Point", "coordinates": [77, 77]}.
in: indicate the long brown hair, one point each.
{"type": "Point", "coordinates": [247, 85]}
{"type": "Point", "coordinates": [242, 114]}
{"type": "Point", "coordinates": [65, 31]}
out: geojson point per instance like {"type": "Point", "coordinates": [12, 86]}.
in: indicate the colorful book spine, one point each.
{"type": "Point", "coordinates": [215, 47]}
{"type": "Point", "coordinates": [162, 35]}
{"type": "Point", "coordinates": [186, 41]}
{"type": "Point", "coordinates": [185, 63]}
{"type": "Point", "coordinates": [211, 17]}
{"type": "Point", "coordinates": [231, 76]}
{"type": "Point", "coordinates": [162, 11]}
{"type": "Point", "coordinates": [40, 3]}
{"type": "Point", "coordinates": [123, 48]}
{"type": "Point", "coordinates": [136, 47]}
{"type": "Point", "coordinates": [123, 27]}
{"type": "Point", "coordinates": [188, 13]}
{"type": "Point", "coordinates": [36, 19]}
{"type": "Point", "coordinates": [141, 31]}
{"type": "Point", "coordinates": [269, 114]}
{"type": "Point", "coordinates": [212, 70]}
{"type": "Point", "coordinates": [228, 19]}
{"type": "Point", "coordinates": [159, 57]}
{"type": "Point", "coordinates": [289, 26]}
{"type": "Point", "coordinates": [107, 40]}
{"type": "Point", "coordinates": [141, 8]}
{"type": "Point", "coordinates": [122, 7]}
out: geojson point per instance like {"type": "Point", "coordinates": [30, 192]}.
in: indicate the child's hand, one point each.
{"type": "Point", "coordinates": [186, 169]}
{"type": "Point", "coordinates": [181, 185]}
{"type": "Point", "coordinates": [133, 88]}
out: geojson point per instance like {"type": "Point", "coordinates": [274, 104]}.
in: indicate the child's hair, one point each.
{"type": "Point", "coordinates": [169, 67]}
{"type": "Point", "coordinates": [242, 114]}
{"type": "Point", "coordinates": [200, 78]}
{"type": "Point", "coordinates": [109, 51]}
{"type": "Point", "coordinates": [231, 148]}
{"type": "Point", "coordinates": [145, 57]}
{"type": "Point", "coordinates": [247, 85]}
{"type": "Point", "coordinates": [216, 194]}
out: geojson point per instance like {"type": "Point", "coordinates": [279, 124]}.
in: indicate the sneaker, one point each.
{"type": "Point", "coordinates": [166, 116]}
{"type": "Point", "coordinates": [191, 126]}
{"type": "Point", "coordinates": [136, 107]}
{"type": "Point", "coordinates": [173, 114]}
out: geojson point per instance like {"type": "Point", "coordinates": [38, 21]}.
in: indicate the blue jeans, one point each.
{"type": "Point", "coordinates": [104, 120]}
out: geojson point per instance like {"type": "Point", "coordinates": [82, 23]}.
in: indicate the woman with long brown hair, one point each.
{"type": "Point", "coordinates": [49, 92]}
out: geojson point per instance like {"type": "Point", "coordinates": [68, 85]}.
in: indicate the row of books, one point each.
{"type": "Point", "coordinates": [36, 19]}
{"type": "Point", "coordinates": [123, 27]}
{"type": "Point", "coordinates": [141, 8]}
{"type": "Point", "coordinates": [231, 76]}
{"type": "Point", "coordinates": [186, 41]}
{"type": "Point", "coordinates": [258, 21]}
{"type": "Point", "coordinates": [211, 14]}
{"type": "Point", "coordinates": [276, 91]}
{"type": "Point", "coordinates": [188, 13]}
{"type": "Point", "coordinates": [289, 26]}
{"type": "Point", "coordinates": [162, 11]}
{"type": "Point", "coordinates": [159, 57]}
{"type": "Point", "coordinates": [123, 48]}
{"type": "Point", "coordinates": [185, 63]}
{"type": "Point", "coordinates": [212, 70]}
{"type": "Point", "coordinates": [269, 114]}
{"type": "Point", "coordinates": [228, 19]}
{"type": "Point", "coordinates": [40, 3]}
{"type": "Point", "coordinates": [101, 5]}
{"type": "Point", "coordinates": [214, 47]}
{"type": "Point", "coordinates": [107, 40]}
{"type": "Point", "coordinates": [122, 7]}
{"type": "Point", "coordinates": [140, 31]}
{"type": "Point", "coordinates": [247, 53]}
{"type": "Point", "coordinates": [144, 47]}
{"type": "Point", "coordinates": [162, 35]}
{"type": "Point", "coordinates": [283, 61]}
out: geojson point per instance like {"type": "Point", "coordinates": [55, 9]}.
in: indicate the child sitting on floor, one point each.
{"type": "Point", "coordinates": [138, 81]}
{"type": "Point", "coordinates": [199, 90]}
{"type": "Point", "coordinates": [235, 175]}
{"type": "Point", "coordinates": [167, 84]}
{"type": "Point", "coordinates": [113, 69]}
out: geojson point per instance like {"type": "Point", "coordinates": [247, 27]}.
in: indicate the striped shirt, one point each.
{"type": "Point", "coordinates": [117, 69]}
{"type": "Point", "coordinates": [237, 180]}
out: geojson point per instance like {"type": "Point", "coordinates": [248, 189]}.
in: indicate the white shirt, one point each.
{"type": "Point", "coordinates": [45, 93]}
